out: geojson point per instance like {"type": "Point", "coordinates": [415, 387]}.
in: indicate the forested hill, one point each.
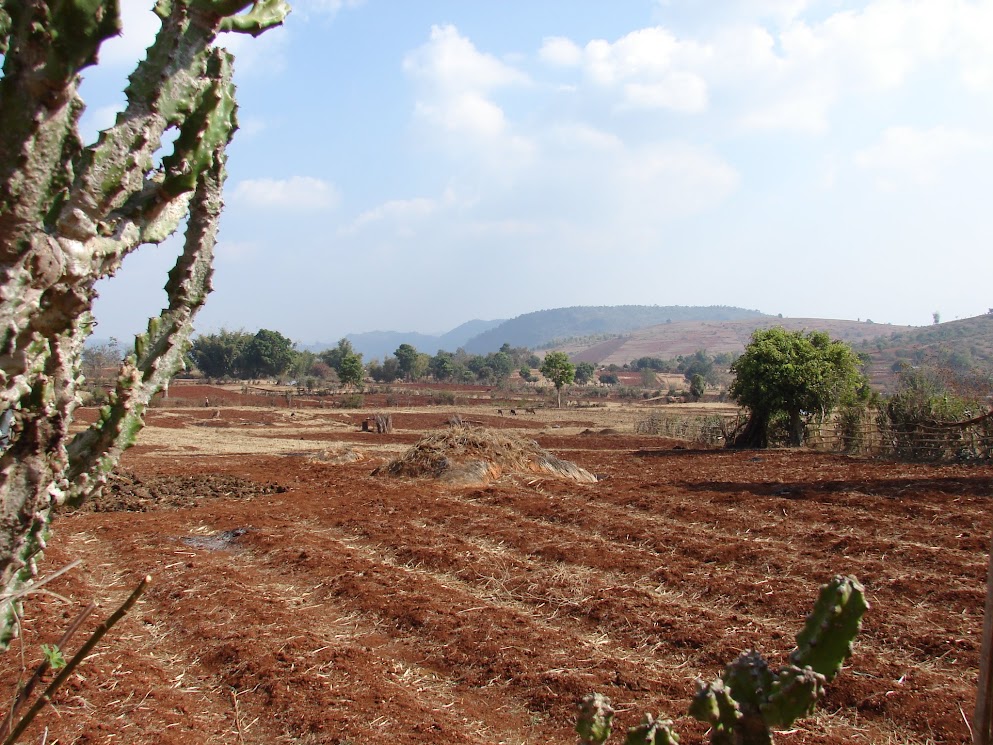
{"type": "Point", "coordinates": [964, 346]}
{"type": "Point", "coordinates": [532, 330]}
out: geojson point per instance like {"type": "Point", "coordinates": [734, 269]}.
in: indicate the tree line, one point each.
{"type": "Point", "coordinates": [784, 379]}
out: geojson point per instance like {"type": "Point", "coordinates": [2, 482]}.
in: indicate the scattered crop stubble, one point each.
{"type": "Point", "coordinates": [353, 607]}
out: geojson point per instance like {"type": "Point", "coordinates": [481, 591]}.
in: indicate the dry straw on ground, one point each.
{"type": "Point", "coordinates": [473, 455]}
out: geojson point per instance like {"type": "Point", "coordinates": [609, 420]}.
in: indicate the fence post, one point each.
{"type": "Point", "coordinates": [981, 724]}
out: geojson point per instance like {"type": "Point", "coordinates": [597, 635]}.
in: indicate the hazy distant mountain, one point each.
{"type": "Point", "coordinates": [379, 344]}
{"type": "Point", "coordinates": [541, 327]}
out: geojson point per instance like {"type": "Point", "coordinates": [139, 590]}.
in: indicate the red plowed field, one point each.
{"type": "Point", "coordinates": [300, 600]}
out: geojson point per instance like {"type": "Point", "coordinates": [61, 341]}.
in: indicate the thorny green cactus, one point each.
{"type": "Point", "coordinates": [744, 706]}
{"type": "Point", "coordinates": [595, 722]}
{"type": "Point", "coordinates": [751, 700]}
{"type": "Point", "coordinates": [69, 215]}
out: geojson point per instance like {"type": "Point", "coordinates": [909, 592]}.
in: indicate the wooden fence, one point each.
{"type": "Point", "coordinates": [868, 435]}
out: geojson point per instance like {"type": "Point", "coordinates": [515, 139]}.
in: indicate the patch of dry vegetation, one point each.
{"type": "Point", "coordinates": [473, 455]}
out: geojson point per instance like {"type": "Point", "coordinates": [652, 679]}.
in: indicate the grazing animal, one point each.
{"type": "Point", "coordinates": [529, 411]}
{"type": "Point", "coordinates": [500, 412]}
{"type": "Point", "coordinates": [514, 412]}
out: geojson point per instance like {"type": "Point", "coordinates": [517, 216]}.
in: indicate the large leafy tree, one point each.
{"type": "Point", "coordinates": [585, 372]}
{"type": "Point", "coordinates": [350, 370]}
{"type": "Point", "coordinates": [795, 375]}
{"type": "Point", "coordinates": [217, 355]}
{"type": "Point", "coordinates": [406, 356]}
{"type": "Point", "coordinates": [70, 212]}
{"type": "Point", "coordinates": [267, 354]}
{"type": "Point", "coordinates": [558, 369]}
{"type": "Point", "coordinates": [336, 354]}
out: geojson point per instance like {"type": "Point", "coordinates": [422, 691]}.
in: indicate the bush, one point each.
{"type": "Point", "coordinates": [352, 401]}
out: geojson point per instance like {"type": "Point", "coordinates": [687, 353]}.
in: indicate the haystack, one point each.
{"type": "Point", "coordinates": [339, 454]}
{"type": "Point", "coordinates": [475, 455]}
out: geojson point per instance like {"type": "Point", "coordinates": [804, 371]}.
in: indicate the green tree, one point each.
{"type": "Point", "coordinates": [585, 372]}
{"type": "Point", "coordinates": [442, 366]}
{"type": "Point", "coordinates": [697, 386]}
{"type": "Point", "coordinates": [351, 370]}
{"type": "Point", "coordinates": [501, 363]}
{"type": "Point", "coordinates": [70, 212]}
{"type": "Point", "coordinates": [336, 354]}
{"type": "Point", "coordinates": [406, 356]}
{"type": "Point", "coordinates": [699, 363]}
{"type": "Point", "coordinates": [795, 375]}
{"type": "Point", "coordinates": [558, 369]}
{"type": "Point", "coordinates": [217, 355]}
{"type": "Point", "coordinates": [267, 354]}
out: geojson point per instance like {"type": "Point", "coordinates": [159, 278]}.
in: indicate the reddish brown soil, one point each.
{"type": "Point", "coordinates": [299, 601]}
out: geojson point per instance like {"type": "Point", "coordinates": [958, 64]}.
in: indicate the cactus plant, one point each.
{"type": "Point", "coordinates": [70, 213]}
{"type": "Point", "coordinates": [750, 701]}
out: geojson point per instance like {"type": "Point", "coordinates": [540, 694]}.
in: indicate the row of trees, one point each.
{"type": "Point", "coordinates": [785, 379]}
{"type": "Point", "coordinates": [241, 355]}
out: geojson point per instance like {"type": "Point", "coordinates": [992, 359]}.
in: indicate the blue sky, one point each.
{"type": "Point", "coordinates": [411, 165]}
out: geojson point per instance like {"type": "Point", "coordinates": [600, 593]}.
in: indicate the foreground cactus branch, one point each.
{"type": "Point", "coordinates": [70, 214]}
{"type": "Point", "coordinates": [750, 700]}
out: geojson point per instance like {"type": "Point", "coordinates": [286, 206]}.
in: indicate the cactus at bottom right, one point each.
{"type": "Point", "coordinates": [751, 700]}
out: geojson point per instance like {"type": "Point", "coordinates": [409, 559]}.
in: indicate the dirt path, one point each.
{"type": "Point", "coordinates": [297, 600]}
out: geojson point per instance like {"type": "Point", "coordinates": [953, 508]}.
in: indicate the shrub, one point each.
{"type": "Point", "coordinates": [352, 401]}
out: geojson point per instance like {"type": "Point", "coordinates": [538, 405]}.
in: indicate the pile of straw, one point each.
{"type": "Point", "coordinates": [475, 455]}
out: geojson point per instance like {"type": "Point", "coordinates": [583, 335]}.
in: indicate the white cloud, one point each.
{"type": "Point", "coordinates": [646, 55]}
{"type": "Point", "coordinates": [401, 214]}
{"type": "Point", "coordinates": [455, 99]}
{"type": "Point", "coordinates": [466, 112]}
{"type": "Point", "coordinates": [682, 91]}
{"type": "Point", "coordinates": [560, 52]}
{"type": "Point", "coordinates": [296, 194]}
{"type": "Point", "coordinates": [918, 156]}
{"type": "Point", "coordinates": [581, 135]}
{"type": "Point", "coordinates": [449, 62]}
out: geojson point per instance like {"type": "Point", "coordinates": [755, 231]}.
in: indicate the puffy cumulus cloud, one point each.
{"type": "Point", "coordinates": [644, 54]}
{"type": "Point", "coordinates": [683, 92]}
{"type": "Point", "coordinates": [649, 69]}
{"type": "Point", "coordinates": [796, 78]}
{"type": "Point", "coordinates": [466, 112]}
{"type": "Point", "coordinates": [456, 92]}
{"type": "Point", "coordinates": [295, 194]}
{"type": "Point", "coordinates": [560, 52]}
{"type": "Point", "coordinates": [450, 63]}
{"type": "Point", "coordinates": [919, 156]}
{"type": "Point", "coordinates": [787, 64]}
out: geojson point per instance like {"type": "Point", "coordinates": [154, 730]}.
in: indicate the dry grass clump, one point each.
{"type": "Point", "coordinates": [474, 455]}
{"type": "Point", "coordinates": [339, 454]}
